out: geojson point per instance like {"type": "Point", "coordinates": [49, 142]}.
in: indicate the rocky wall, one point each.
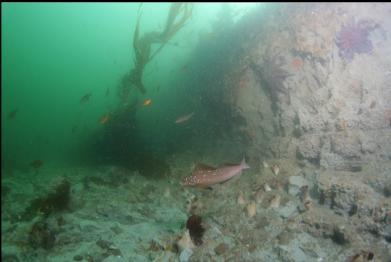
{"type": "Point", "coordinates": [317, 84]}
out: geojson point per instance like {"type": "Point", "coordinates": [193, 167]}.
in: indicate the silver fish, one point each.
{"type": "Point", "coordinates": [205, 176]}
{"type": "Point", "coordinates": [184, 118]}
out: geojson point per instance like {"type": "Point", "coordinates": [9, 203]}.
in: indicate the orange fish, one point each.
{"type": "Point", "coordinates": [147, 102]}
{"type": "Point", "coordinates": [103, 120]}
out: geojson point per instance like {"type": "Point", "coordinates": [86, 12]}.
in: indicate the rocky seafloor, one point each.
{"type": "Point", "coordinates": [281, 210]}
{"type": "Point", "coordinates": [312, 85]}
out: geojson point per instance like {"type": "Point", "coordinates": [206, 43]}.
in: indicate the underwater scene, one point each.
{"type": "Point", "coordinates": [196, 132]}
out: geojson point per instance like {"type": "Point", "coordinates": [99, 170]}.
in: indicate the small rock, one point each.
{"type": "Point", "coordinates": [276, 169]}
{"type": "Point", "coordinates": [104, 244]}
{"type": "Point", "coordinates": [78, 258]}
{"type": "Point", "coordinates": [251, 209]}
{"type": "Point", "coordinates": [117, 229]}
{"type": "Point", "coordinates": [167, 192]}
{"type": "Point", "coordinates": [221, 248]}
{"type": "Point", "coordinates": [275, 202]}
{"type": "Point", "coordinates": [288, 210]}
{"type": "Point", "coordinates": [9, 258]}
{"type": "Point", "coordinates": [41, 235]}
{"type": "Point", "coordinates": [185, 255]}
{"type": "Point", "coordinates": [241, 200]}
{"type": "Point", "coordinates": [185, 242]}
{"type": "Point", "coordinates": [362, 256]}
{"type": "Point", "coordinates": [266, 187]}
{"type": "Point", "coordinates": [301, 208]}
{"type": "Point", "coordinates": [113, 251]}
{"type": "Point", "coordinates": [387, 189]}
{"type": "Point", "coordinates": [387, 233]}
{"type": "Point", "coordinates": [259, 196]}
{"type": "Point", "coordinates": [339, 236]}
{"type": "Point", "coordinates": [295, 183]}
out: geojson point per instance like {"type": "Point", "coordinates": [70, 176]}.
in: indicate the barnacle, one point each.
{"type": "Point", "coordinates": [195, 228]}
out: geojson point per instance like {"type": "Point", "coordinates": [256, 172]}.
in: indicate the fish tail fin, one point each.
{"type": "Point", "coordinates": [244, 164]}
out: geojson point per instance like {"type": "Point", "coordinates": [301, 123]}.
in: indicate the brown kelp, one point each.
{"type": "Point", "coordinates": [178, 14]}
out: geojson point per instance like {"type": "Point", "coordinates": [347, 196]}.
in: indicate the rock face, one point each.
{"type": "Point", "coordinates": [345, 193]}
{"type": "Point", "coordinates": [317, 85]}
{"type": "Point", "coordinates": [295, 183]}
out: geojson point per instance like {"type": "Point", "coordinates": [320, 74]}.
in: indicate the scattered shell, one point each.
{"type": "Point", "coordinates": [189, 202]}
{"type": "Point", "coordinates": [275, 202]}
{"type": "Point", "coordinates": [362, 256]}
{"type": "Point", "coordinates": [251, 209]}
{"type": "Point", "coordinates": [196, 206]}
{"type": "Point", "coordinates": [241, 200]}
{"type": "Point", "coordinates": [185, 242]}
{"type": "Point", "coordinates": [267, 187]}
{"type": "Point", "coordinates": [379, 213]}
{"type": "Point", "coordinates": [259, 195]}
{"type": "Point", "coordinates": [305, 197]}
{"type": "Point", "coordinates": [304, 194]}
{"type": "Point", "coordinates": [279, 185]}
{"type": "Point", "coordinates": [308, 204]}
{"type": "Point", "coordinates": [167, 192]}
{"type": "Point", "coordinates": [276, 169]}
{"type": "Point", "coordinates": [265, 164]}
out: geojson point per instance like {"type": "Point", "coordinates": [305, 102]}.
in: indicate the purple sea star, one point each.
{"type": "Point", "coordinates": [353, 38]}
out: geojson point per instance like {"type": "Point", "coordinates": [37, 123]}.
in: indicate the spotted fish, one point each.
{"type": "Point", "coordinates": [204, 176]}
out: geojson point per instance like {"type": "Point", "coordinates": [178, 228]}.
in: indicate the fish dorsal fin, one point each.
{"type": "Point", "coordinates": [200, 166]}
